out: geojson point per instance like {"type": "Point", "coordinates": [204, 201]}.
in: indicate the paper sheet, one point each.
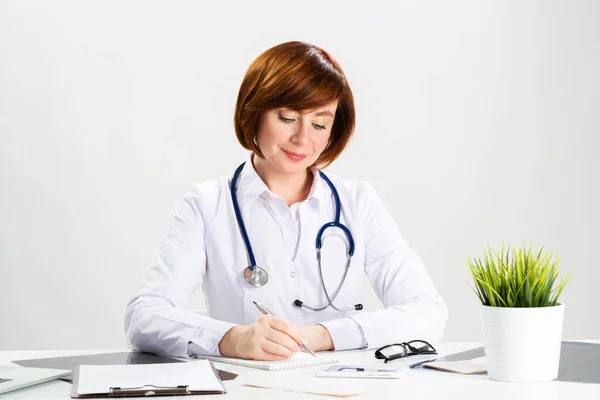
{"type": "Point", "coordinates": [198, 375]}
{"type": "Point", "coordinates": [341, 387]}
{"type": "Point", "coordinates": [473, 366]}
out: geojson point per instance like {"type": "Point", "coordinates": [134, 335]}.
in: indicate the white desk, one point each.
{"type": "Point", "coordinates": [417, 384]}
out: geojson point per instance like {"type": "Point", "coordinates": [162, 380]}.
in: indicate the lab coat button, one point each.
{"type": "Point", "coordinates": [293, 274]}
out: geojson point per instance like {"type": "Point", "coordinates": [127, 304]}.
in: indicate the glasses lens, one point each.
{"type": "Point", "coordinates": [420, 346]}
{"type": "Point", "coordinates": [393, 350]}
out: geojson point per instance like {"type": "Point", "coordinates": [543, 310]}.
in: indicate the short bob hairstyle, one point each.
{"type": "Point", "coordinates": [299, 76]}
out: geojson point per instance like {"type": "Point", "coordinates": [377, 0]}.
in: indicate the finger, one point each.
{"type": "Point", "coordinates": [282, 339]}
{"type": "Point", "coordinates": [266, 356]}
{"type": "Point", "coordinates": [289, 329]}
{"type": "Point", "coordinates": [276, 349]}
{"type": "Point", "coordinates": [253, 350]}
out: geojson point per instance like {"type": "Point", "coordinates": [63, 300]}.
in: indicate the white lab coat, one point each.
{"type": "Point", "coordinates": [203, 247]}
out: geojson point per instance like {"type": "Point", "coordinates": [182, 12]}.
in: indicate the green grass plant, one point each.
{"type": "Point", "coordinates": [517, 277]}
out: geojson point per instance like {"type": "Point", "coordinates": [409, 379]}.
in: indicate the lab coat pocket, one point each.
{"type": "Point", "coordinates": [274, 295]}
{"type": "Point", "coordinates": [251, 294]}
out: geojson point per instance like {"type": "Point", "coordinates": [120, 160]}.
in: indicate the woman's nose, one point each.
{"type": "Point", "coordinates": [302, 134]}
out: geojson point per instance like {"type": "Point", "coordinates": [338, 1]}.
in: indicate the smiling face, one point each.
{"type": "Point", "coordinates": [284, 79]}
{"type": "Point", "coordinates": [291, 141]}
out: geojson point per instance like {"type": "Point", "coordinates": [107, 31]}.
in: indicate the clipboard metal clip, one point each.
{"type": "Point", "coordinates": [148, 390]}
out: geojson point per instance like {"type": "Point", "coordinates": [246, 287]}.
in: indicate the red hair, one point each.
{"type": "Point", "coordinates": [299, 76]}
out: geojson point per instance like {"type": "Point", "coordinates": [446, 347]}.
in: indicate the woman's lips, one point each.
{"type": "Point", "coordinates": [294, 156]}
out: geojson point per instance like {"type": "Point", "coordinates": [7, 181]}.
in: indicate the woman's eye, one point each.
{"type": "Point", "coordinates": [286, 120]}
{"type": "Point", "coordinates": [319, 127]}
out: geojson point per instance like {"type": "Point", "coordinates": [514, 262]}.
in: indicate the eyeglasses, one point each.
{"type": "Point", "coordinates": [404, 349]}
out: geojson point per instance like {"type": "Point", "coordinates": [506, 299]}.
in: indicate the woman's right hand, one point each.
{"type": "Point", "coordinates": [268, 338]}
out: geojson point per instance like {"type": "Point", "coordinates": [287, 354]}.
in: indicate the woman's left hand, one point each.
{"type": "Point", "coordinates": [318, 337]}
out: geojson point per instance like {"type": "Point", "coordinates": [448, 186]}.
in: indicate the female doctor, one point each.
{"type": "Point", "coordinates": [280, 232]}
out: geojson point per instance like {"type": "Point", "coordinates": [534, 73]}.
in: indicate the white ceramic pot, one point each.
{"type": "Point", "coordinates": [522, 344]}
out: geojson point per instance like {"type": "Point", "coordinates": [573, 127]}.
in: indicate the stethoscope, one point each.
{"type": "Point", "coordinates": [257, 276]}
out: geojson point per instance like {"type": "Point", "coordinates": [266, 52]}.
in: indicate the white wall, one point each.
{"type": "Point", "coordinates": [478, 122]}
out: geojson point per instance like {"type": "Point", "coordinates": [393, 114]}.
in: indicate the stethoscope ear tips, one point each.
{"type": "Point", "coordinates": [357, 307]}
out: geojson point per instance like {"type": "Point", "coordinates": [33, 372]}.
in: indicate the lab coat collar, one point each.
{"type": "Point", "coordinates": [253, 186]}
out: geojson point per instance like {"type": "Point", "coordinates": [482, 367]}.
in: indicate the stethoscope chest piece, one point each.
{"type": "Point", "coordinates": [256, 276]}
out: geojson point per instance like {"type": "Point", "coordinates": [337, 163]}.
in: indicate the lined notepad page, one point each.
{"type": "Point", "coordinates": [298, 360]}
{"type": "Point", "coordinates": [100, 378]}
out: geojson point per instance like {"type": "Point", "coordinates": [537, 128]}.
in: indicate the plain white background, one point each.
{"type": "Point", "coordinates": [478, 122]}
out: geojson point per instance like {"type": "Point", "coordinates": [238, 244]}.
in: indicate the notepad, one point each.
{"type": "Point", "coordinates": [298, 360]}
{"type": "Point", "coordinates": [99, 379]}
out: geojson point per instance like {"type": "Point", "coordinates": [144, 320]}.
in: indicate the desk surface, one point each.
{"type": "Point", "coordinates": [417, 384]}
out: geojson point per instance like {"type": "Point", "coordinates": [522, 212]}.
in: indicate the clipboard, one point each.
{"type": "Point", "coordinates": [118, 358]}
{"type": "Point", "coordinates": [148, 390]}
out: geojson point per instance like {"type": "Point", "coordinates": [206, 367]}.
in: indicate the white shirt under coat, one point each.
{"type": "Point", "coordinates": [203, 248]}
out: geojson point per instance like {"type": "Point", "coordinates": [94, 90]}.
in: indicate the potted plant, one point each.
{"type": "Point", "coordinates": [522, 318]}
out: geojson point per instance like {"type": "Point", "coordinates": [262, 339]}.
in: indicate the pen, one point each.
{"type": "Point", "coordinates": [266, 311]}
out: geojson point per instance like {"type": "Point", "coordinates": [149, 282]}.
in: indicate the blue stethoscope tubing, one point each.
{"type": "Point", "coordinates": [257, 276]}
